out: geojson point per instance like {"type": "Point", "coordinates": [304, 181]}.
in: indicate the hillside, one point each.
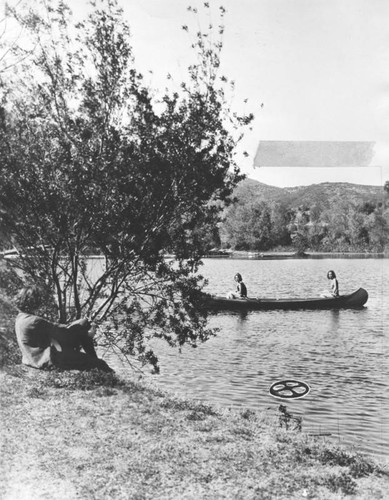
{"type": "Point", "coordinates": [249, 190]}
{"type": "Point", "coordinates": [324, 195]}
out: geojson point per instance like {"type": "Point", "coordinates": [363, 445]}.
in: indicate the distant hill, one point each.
{"type": "Point", "coordinates": [324, 195]}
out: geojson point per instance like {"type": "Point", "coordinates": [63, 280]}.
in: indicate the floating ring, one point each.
{"type": "Point", "coordinates": [289, 389]}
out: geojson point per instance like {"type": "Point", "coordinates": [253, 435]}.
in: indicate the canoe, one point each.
{"type": "Point", "coordinates": [353, 300]}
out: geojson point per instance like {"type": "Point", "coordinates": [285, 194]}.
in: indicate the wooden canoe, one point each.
{"type": "Point", "coordinates": [353, 300]}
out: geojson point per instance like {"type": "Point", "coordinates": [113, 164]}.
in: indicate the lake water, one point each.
{"type": "Point", "coordinates": [342, 355]}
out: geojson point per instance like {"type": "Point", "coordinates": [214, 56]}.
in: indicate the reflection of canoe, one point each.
{"type": "Point", "coordinates": [352, 300]}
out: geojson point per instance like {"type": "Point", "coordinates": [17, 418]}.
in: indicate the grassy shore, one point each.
{"type": "Point", "coordinates": [71, 435]}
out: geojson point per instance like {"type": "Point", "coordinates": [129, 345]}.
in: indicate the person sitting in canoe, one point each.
{"type": "Point", "coordinates": [241, 290]}
{"type": "Point", "coordinates": [46, 345]}
{"type": "Point", "coordinates": [334, 285]}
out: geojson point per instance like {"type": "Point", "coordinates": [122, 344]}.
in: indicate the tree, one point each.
{"type": "Point", "coordinates": [298, 229]}
{"type": "Point", "coordinates": [10, 38]}
{"type": "Point", "coordinates": [247, 226]}
{"type": "Point", "coordinates": [280, 218]}
{"type": "Point", "coordinates": [88, 164]}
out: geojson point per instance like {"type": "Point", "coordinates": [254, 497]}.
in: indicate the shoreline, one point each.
{"type": "Point", "coordinates": [234, 254]}
{"type": "Point", "coordinates": [71, 435]}
{"type": "Point", "coordinates": [294, 255]}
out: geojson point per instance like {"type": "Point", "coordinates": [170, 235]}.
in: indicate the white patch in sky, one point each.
{"type": "Point", "coordinates": [314, 154]}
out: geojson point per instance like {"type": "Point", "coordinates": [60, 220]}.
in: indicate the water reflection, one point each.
{"type": "Point", "coordinates": [335, 316]}
{"type": "Point", "coordinates": [243, 316]}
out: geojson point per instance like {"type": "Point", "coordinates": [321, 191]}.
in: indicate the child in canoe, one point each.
{"type": "Point", "coordinates": [334, 285]}
{"type": "Point", "coordinates": [241, 290]}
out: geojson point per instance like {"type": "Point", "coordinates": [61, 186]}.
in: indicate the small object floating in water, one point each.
{"type": "Point", "coordinates": [289, 389]}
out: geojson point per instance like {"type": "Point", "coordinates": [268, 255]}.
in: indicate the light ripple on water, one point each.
{"type": "Point", "coordinates": [340, 354]}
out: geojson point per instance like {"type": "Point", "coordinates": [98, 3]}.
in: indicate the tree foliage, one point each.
{"type": "Point", "coordinates": [346, 226]}
{"type": "Point", "coordinates": [94, 161]}
{"type": "Point", "coordinates": [248, 226]}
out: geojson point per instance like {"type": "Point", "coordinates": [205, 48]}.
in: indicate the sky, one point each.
{"type": "Point", "coordinates": [312, 71]}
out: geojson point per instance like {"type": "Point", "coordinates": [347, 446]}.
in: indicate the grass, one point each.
{"type": "Point", "coordinates": [71, 435]}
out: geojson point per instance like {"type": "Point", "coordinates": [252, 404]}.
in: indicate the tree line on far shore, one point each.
{"type": "Point", "coordinates": [351, 224]}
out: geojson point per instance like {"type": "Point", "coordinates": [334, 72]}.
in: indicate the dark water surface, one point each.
{"type": "Point", "coordinates": [342, 355]}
